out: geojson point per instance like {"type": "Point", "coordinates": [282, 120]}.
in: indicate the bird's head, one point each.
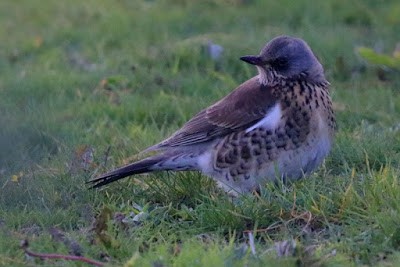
{"type": "Point", "coordinates": [288, 57]}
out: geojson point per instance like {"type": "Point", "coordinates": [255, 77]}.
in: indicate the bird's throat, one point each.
{"type": "Point", "coordinates": [267, 76]}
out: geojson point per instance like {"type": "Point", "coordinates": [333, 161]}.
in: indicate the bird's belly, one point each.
{"type": "Point", "coordinates": [242, 163]}
{"type": "Point", "coordinates": [295, 164]}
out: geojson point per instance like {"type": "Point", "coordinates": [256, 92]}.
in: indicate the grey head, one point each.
{"type": "Point", "coordinates": [288, 57]}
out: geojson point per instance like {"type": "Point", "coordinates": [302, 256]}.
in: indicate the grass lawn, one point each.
{"type": "Point", "coordinates": [86, 85]}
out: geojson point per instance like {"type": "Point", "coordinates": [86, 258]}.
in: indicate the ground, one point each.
{"type": "Point", "coordinates": [86, 85]}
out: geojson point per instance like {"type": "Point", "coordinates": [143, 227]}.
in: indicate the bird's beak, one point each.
{"type": "Point", "coordinates": [253, 60]}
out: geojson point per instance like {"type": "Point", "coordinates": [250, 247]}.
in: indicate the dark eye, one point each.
{"type": "Point", "coordinates": [280, 63]}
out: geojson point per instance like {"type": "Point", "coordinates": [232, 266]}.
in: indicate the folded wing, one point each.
{"type": "Point", "coordinates": [242, 108]}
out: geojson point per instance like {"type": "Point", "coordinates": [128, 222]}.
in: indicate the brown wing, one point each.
{"type": "Point", "coordinates": [243, 107]}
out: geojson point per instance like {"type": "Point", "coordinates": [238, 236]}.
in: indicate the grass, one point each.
{"type": "Point", "coordinates": [86, 85]}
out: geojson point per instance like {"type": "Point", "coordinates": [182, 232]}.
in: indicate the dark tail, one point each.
{"type": "Point", "coordinates": [139, 167]}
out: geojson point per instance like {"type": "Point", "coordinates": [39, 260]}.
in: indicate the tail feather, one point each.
{"type": "Point", "coordinates": [139, 167]}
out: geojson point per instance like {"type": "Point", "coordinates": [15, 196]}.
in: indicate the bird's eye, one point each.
{"type": "Point", "coordinates": [280, 62]}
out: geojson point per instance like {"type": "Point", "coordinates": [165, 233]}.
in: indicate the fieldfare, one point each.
{"type": "Point", "coordinates": [277, 125]}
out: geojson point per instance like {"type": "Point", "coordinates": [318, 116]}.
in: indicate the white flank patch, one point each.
{"type": "Point", "coordinates": [270, 121]}
{"type": "Point", "coordinates": [204, 162]}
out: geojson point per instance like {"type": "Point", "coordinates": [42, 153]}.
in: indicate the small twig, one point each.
{"type": "Point", "coordinates": [263, 230]}
{"type": "Point", "coordinates": [24, 245]}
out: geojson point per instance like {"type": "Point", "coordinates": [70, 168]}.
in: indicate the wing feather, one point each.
{"type": "Point", "coordinates": [242, 108]}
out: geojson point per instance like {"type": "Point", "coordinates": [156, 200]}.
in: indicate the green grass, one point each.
{"type": "Point", "coordinates": [110, 78]}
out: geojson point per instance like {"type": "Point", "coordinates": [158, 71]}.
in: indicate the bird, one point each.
{"type": "Point", "coordinates": [278, 125]}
